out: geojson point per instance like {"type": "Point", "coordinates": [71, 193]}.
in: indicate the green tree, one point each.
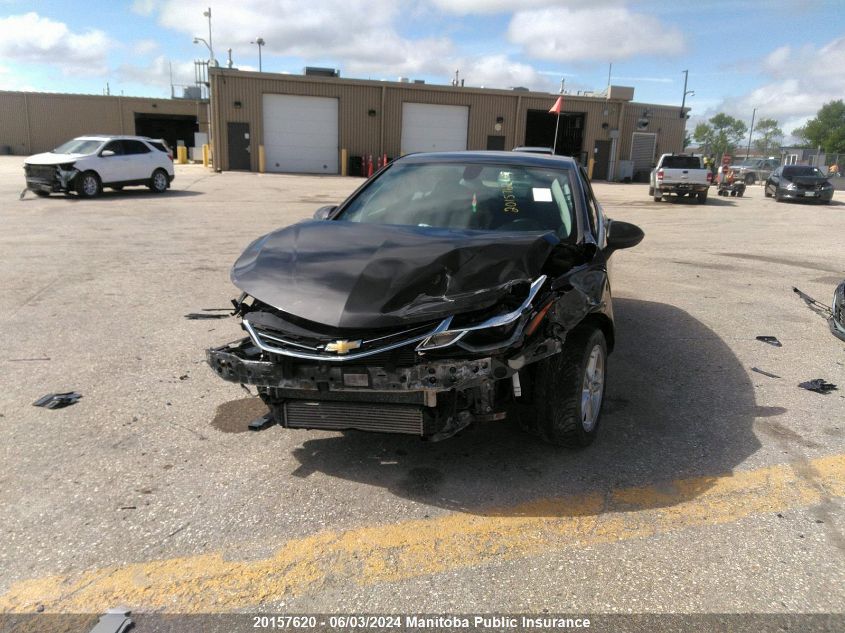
{"type": "Point", "coordinates": [720, 135]}
{"type": "Point", "coordinates": [827, 129]}
{"type": "Point", "coordinates": [770, 136]}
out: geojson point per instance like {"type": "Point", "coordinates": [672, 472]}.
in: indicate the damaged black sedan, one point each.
{"type": "Point", "coordinates": [449, 289]}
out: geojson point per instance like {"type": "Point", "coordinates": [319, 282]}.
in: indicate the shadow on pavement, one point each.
{"type": "Point", "coordinates": [678, 405]}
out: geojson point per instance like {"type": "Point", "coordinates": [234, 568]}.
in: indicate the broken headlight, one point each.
{"type": "Point", "coordinates": [499, 328]}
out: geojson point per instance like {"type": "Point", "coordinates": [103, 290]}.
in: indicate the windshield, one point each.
{"type": "Point", "coordinates": [469, 196]}
{"type": "Point", "coordinates": [78, 146]}
{"type": "Point", "coordinates": [802, 170]}
{"type": "Point", "coordinates": [748, 163]}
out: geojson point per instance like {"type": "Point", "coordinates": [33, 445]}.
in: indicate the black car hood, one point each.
{"type": "Point", "coordinates": [353, 275]}
{"type": "Point", "coordinates": [807, 181]}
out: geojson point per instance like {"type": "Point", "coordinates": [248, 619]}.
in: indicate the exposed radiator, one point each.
{"type": "Point", "coordinates": [336, 416]}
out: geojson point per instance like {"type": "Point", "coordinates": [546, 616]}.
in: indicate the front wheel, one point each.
{"type": "Point", "coordinates": [158, 182]}
{"type": "Point", "coordinates": [567, 391]}
{"type": "Point", "coordinates": [88, 185]}
{"type": "Point", "coordinates": [766, 193]}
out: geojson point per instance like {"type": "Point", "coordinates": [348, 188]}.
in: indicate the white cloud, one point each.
{"type": "Point", "coordinates": [800, 82]}
{"type": "Point", "coordinates": [10, 81]}
{"type": "Point", "coordinates": [30, 38]}
{"type": "Point", "coordinates": [144, 47]}
{"type": "Point", "coordinates": [465, 7]}
{"type": "Point", "coordinates": [156, 73]}
{"type": "Point", "coordinates": [498, 71]}
{"type": "Point", "coordinates": [606, 33]}
{"type": "Point", "coordinates": [144, 7]}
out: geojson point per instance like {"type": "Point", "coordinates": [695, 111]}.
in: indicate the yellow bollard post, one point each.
{"type": "Point", "coordinates": [262, 160]}
{"type": "Point", "coordinates": [344, 160]}
{"type": "Point", "coordinates": [205, 155]}
{"type": "Point", "coordinates": [590, 164]}
{"type": "Point", "coordinates": [182, 154]}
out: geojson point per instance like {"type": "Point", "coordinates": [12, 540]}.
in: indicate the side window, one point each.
{"type": "Point", "coordinates": [114, 146]}
{"type": "Point", "coordinates": [135, 147]}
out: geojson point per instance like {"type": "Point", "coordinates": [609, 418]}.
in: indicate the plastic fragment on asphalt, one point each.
{"type": "Point", "coordinates": [114, 621]}
{"type": "Point", "coordinates": [196, 316]}
{"type": "Point", "coordinates": [264, 422]}
{"type": "Point", "coordinates": [57, 400]}
{"type": "Point", "coordinates": [818, 385]}
{"type": "Point", "coordinates": [771, 340]}
{"type": "Point", "coordinates": [765, 373]}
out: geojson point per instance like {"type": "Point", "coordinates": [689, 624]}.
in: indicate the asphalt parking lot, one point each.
{"type": "Point", "coordinates": [712, 488]}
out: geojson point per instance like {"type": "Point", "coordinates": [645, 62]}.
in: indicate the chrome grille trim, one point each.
{"type": "Point", "coordinates": [258, 339]}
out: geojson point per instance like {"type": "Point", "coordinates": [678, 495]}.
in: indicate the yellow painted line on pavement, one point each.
{"type": "Point", "coordinates": [385, 553]}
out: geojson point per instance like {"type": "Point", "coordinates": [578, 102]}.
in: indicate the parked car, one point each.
{"type": "Point", "coordinates": [680, 175]}
{"type": "Point", "coordinates": [88, 163]}
{"type": "Point", "coordinates": [799, 182]}
{"type": "Point", "coordinates": [450, 288]}
{"type": "Point", "coordinates": [751, 170]}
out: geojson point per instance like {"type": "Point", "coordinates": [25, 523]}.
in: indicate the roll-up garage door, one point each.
{"type": "Point", "coordinates": [433, 128]}
{"type": "Point", "coordinates": [642, 150]}
{"type": "Point", "coordinates": [300, 134]}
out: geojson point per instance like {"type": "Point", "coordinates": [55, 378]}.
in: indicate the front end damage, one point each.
{"type": "Point", "coordinates": [50, 178]}
{"type": "Point", "coordinates": [431, 379]}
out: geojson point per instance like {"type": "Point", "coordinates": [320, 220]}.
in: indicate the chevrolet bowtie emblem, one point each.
{"type": "Point", "coordinates": [343, 347]}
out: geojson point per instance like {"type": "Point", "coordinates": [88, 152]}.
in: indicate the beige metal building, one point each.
{"type": "Point", "coordinates": [308, 124]}
{"type": "Point", "coordinates": [32, 122]}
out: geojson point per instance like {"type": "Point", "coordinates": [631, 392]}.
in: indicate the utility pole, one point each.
{"type": "Point", "coordinates": [686, 92]}
{"type": "Point", "coordinates": [210, 43]}
{"type": "Point", "coordinates": [260, 42]}
{"type": "Point", "coordinates": [750, 132]}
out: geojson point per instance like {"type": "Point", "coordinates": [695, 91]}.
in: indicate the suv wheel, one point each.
{"type": "Point", "coordinates": [158, 183]}
{"type": "Point", "coordinates": [567, 391]}
{"type": "Point", "coordinates": [88, 185]}
{"type": "Point", "coordinates": [750, 179]}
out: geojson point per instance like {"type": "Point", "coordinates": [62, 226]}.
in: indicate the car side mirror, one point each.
{"type": "Point", "coordinates": [323, 213]}
{"type": "Point", "coordinates": [623, 235]}
{"type": "Point", "coordinates": [106, 153]}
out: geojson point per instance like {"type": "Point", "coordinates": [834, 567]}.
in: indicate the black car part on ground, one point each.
{"type": "Point", "coordinates": [57, 400]}
{"type": "Point", "coordinates": [818, 385]}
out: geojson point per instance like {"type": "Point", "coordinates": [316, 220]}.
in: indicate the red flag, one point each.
{"type": "Point", "coordinates": [557, 107]}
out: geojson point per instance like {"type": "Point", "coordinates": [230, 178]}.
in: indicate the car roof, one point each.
{"type": "Point", "coordinates": [526, 159]}
{"type": "Point", "coordinates": [111, 137]}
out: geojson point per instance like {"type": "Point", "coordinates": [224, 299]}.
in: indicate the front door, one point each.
{"type": "Point", "coordinates": [238, 138]}
{"type": "Point", "coordinates": [601, 155]}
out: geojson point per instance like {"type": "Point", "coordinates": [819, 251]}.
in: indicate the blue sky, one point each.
{"type": "Point", "coordinates": [784, 58]}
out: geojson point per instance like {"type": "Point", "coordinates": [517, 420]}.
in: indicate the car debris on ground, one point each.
{"type": "Point", "coordinates": [818, 385]}
{"type": "Point", "coordinates": [57, 400]}
{"type": "Point", "coordinates": [771, 340]}
{"type": "Point", "coordinates": [114, 621]}
{"type": "Point", "coordinates": [765, 373]}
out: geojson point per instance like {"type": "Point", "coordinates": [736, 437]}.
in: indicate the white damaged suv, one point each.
{"type": "Point", "coordinates": [88, 163]}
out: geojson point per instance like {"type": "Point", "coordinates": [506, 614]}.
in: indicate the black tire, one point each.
{"type": "Point", "coordinates": [702, 197]}
{"type": "Point", "coordinates": [651, 191]}
{"type": "Point", "coordinates": [778, 197]}
{"type": "Point", "coordinates": [88, 185]}
{"type": "Point", "coordinates": [658, 197]}
{"type": "Point", "coordinates": [750, 179]}
{"type": "Point", "coordinates": [557, 390]}
{"type": "Point", "coordinates": [158, 181]}
{"type": "Point", "coordinates": [41, 194]}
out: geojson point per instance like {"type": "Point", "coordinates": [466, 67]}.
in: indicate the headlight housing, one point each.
{"type": "Point", "coordinates": [499, 328]}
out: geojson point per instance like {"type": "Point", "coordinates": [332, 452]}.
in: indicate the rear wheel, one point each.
{"type": "Point", "coordinates": [88, 185]}
{"type": "Point", "coordinates": [702, 197]}
{"type": "Point", "coordinates": [158, 183]}
{"type": "Point", "coordinates": [651, 191]}
{"type": "Point", "coordinates": [567, 391]}
{"type": "Point", "coordinates": [657, 195]}
{"type": "Point", "coordinates": [41, 194]}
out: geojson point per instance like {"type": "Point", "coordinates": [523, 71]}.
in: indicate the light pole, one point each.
{"type": "Point", "coordinates": [210, 45]}
{"type": "Point", "coordinates": [686, 92]}
{"type": "Point", "coordinates": [750, 132]}
{"type": "Point", "coordinates": [260, 42]}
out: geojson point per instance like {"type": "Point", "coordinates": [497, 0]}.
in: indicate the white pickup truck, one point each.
{"type": "Point", "coordinates": [681, 175]}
